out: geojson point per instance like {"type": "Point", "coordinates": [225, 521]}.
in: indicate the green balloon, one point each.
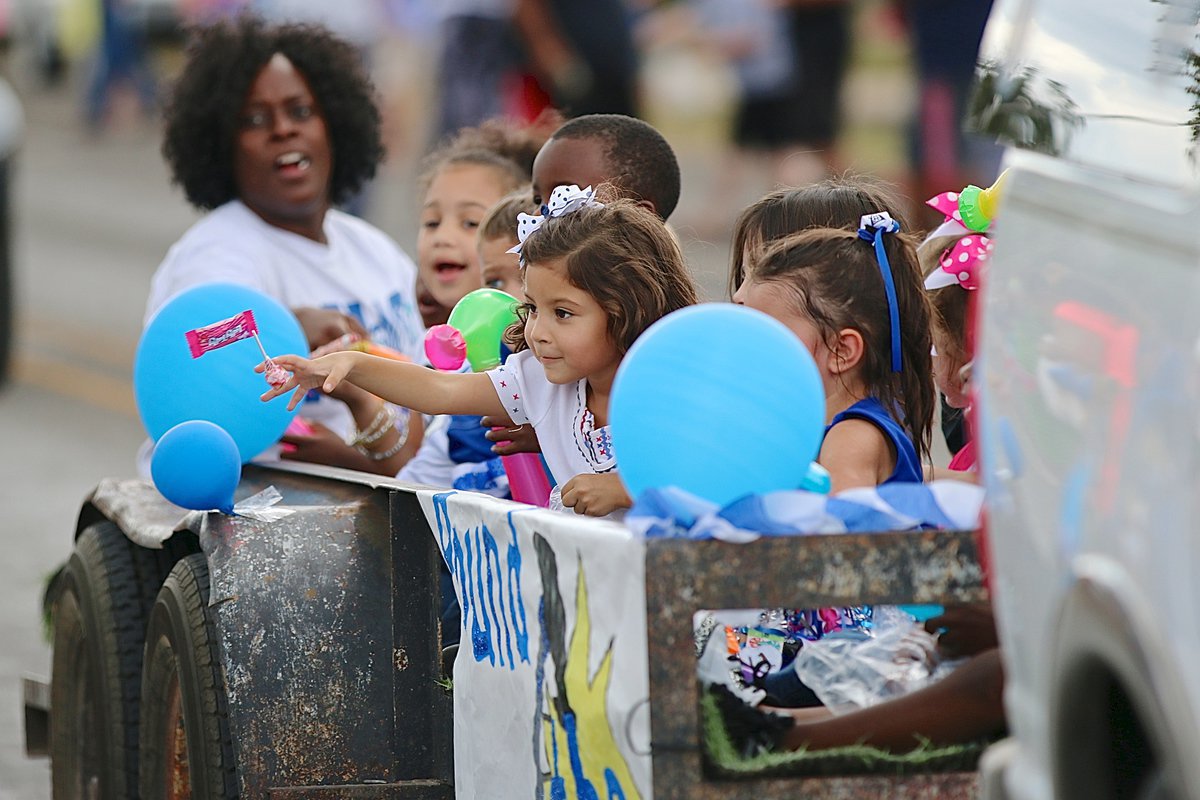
{"type": "Point", "coordinates": [482, 317]}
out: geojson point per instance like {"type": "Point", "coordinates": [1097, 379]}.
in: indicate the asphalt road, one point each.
{"type": "Point", "coordinates": [93, 216]}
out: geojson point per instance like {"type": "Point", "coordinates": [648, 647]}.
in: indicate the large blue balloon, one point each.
{"type": "Point", "coordinates": [220, 386]}
{"type": "Point", "coordinates": [196, 465]}
{"type": "Point", "coordinates": [717, 399]}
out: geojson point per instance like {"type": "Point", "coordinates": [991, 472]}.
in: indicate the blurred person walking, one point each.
{"type": "Point", "coordinates": [120, 58]}
{"type": "Point", "coordinates": [753, 38]}
{"type": "Point", "coordinates": [945, 40]}
{"type": "Point", "coordinates": [516, 58]}
{"type": "Point", "coordinates": [820, 38]}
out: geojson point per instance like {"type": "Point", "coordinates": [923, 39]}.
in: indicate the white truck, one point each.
{"type": "Point", "coordinates": [1089, 402]}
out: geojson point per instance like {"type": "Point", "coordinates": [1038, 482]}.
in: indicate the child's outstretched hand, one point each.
{"type": "Point", "coordinates": [324, 373]}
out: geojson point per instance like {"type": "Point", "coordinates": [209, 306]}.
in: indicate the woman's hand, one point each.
{"type": "Point", "coordinates": [510, 439]}
{"type": "Point", "coordinates": [322, 446]}
{"type": "Point", "coordinates": [323, 325]}
{"type": "Point", "coordinates": [324, 373]}
{"type": "Point", "coordinates": [595, 495]}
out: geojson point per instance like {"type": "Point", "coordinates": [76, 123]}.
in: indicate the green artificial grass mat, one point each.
{"type": "Point", "coordinates": [725, 761]}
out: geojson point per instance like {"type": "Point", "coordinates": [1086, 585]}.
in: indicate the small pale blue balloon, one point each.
{"type": "Point", "coordinates": [719, 400]}
{"type": "Point", "coordinates": [817, 480]}
{"type": "Point", "coordinates": [220, 386]}
{"type": "Point", "coordinates": [196, 465]}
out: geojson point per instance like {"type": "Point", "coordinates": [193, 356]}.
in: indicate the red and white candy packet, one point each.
{"type": "Point", "coordinates": [235, 329]}
{"type": "Point", "coordinates": [227, 331]}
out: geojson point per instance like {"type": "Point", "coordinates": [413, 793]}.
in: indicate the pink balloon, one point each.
{"type": "Point", "coordinates": [445, 347]}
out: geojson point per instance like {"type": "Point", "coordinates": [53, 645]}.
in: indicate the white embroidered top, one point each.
{"type": "Point", "coordinates": [571, 444]}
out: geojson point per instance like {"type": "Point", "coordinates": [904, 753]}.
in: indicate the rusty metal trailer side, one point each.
{"type": "Point", "coordinates": [329, 641]}
{"type": "Point", "coordinates": [327, 628]}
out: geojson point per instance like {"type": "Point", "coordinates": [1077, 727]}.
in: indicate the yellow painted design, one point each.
{"type": "Point", "coordinates": [597, 746]}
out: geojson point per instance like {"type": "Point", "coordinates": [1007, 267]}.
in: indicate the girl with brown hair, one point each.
{"type": "Point", "coordinates": [595, 277]}
{"type": "Point", "coordinates": [857, 302]}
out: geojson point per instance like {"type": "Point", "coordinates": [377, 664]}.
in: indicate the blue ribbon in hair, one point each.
{"type": "Point", "coordinates": [871, 228]}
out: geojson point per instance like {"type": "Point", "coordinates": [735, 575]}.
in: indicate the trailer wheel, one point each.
{"type": "Point", "coordinates": [186, 748]}
{"type": "Point", "coordinates": [96, 673]}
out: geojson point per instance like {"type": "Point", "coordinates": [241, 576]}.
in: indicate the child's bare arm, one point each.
{"type": "Point", "coordinates": [408, 385]}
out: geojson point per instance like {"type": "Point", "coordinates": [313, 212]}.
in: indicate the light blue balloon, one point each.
{"type": "Point", "coordinates": [817, 480]}
{"type": "Point", "coordinates": [196, 465]}
{"type": "Point", "coordinates": [719, 400]}
{"type": "Point", "coordinates": [220, 386]}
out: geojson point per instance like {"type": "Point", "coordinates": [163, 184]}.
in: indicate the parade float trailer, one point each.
{"type": "Point", "coordinates": [214, 656]}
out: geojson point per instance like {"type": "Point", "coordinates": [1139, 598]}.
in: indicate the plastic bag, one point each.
{"type": "Point", "coordinates": [263, 506]}
{"type": "Point", "coordinates": [849, 673]}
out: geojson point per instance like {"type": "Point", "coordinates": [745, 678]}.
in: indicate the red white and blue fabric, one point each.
{"type": "Point", "coordinates": [961, 264]}
{"type": "Point", "coordinates": [674, 513]}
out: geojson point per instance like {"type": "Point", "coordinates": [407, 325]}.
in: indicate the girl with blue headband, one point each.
{"type": "Point", "coordinates": [857, 302]}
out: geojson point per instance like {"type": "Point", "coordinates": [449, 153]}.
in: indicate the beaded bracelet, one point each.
{"type": "Point", "coordinates": [395, 448]}
{"type": "Point", "coordinates": [355, 437]}
{"type": "Point", "coordinates": [384, 420]}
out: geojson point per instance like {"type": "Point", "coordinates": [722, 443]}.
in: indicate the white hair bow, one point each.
{"type": "Point", "coordinates": [563, 200]}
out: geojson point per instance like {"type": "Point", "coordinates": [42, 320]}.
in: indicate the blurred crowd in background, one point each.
{"type": "Point", "coordinates": [752, 94]}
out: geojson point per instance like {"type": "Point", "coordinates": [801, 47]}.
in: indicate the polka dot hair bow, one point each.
{"type": "Point", "coordinates": [968, 211]}
{"type": "Point", "coordinates": [961, 264]}
{"type": "Point", "coordinates": [563, 200]}
{"type": "Point", "coordinates": [947, 204]}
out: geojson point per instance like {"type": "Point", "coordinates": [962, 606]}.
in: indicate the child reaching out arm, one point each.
{"type": "Point", "coordinates": [418, 388]}
{"type": "Point", "coordinates": [595, 277]}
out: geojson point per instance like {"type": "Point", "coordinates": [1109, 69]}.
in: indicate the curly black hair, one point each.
{"type": "Point", "coordinates": [643, 163]}
{"type": "Point", "coordinates": [222, 62]}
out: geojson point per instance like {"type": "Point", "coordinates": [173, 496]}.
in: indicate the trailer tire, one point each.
{"type": "Point", "coordinates": [186, 747]}
{"type": "Point", "coordinates": [99, 617]}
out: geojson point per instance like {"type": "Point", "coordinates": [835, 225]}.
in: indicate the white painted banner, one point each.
{"type": "Point", "coordinates": [551, 684]}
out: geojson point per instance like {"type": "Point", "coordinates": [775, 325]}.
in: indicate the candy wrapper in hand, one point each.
{"type": "Point", "coordinates": [715, 664]}
{"type": "Point", "coordinates": [276, 375]}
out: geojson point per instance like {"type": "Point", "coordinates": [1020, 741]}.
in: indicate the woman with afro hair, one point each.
{"type": "Point", "coordinates": [267, 129]}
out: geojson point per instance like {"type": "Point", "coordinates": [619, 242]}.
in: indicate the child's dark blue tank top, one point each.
{"type": "Point", "coordinates": [908, 466]}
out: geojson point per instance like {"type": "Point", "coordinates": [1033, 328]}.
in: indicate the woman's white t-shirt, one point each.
{"type": "Point", "coordinates": [571, 443]}
{"type": "Point", "coordinates": [360, 272]}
